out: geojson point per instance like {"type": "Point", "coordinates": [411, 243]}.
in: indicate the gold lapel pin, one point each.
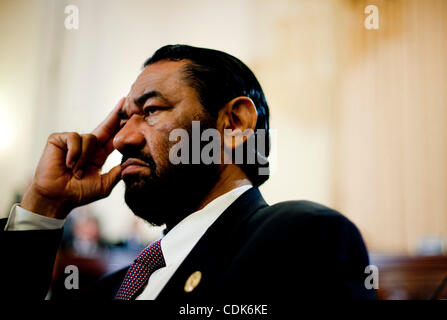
{"type": "Point", "coordinates": [193, 281]}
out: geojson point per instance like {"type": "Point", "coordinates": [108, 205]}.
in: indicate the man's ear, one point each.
{"type": "Point", "coordinates": [237, 121]}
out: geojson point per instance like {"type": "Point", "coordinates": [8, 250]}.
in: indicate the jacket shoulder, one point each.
{"type": "Point", "coordinates": [299, 212]}
{"type": "Point", "coordinates": [302, 222]}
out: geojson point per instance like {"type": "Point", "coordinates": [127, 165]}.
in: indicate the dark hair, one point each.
{"type": "Point", "coordinates": [218, 78]}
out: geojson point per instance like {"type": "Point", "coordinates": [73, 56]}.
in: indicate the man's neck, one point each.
{"type": "Point", "coordinates": [230, 177]}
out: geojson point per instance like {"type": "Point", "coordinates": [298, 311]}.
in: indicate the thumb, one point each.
{"type": "Point", "coordinates": [109, 180]}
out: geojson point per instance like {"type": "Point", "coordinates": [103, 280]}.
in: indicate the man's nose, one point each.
{"type": "Point", "coordinates": [130, 135]}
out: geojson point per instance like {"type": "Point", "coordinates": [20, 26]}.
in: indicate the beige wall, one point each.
{"type": "Point", "coordinates": [20, 56]}
{"type": "Point", "coordinates": [391, 163]}
{"type": "Point", "coordinates": [359, 114]}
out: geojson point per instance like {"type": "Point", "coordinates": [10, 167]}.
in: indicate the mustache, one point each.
{"type": "Point", "coordinates": [140, 156]}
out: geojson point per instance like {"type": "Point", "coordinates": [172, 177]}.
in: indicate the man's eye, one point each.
{"type": "Point", "coordinates": [150, 110]}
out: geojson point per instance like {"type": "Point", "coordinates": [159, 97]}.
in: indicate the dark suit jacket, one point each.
{"type": "Point", "coordinates": [290, 250]}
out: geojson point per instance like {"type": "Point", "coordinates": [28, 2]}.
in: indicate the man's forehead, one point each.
{"type": "Point", "coordinates": [159, 76]}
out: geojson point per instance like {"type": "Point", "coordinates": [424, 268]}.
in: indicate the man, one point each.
{"type": "Point", "coordinates": [222, 241]}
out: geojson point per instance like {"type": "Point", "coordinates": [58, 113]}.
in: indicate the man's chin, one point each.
{"type": "Point", "coordinates": [145, 205]}
{"type": "Point", "coordinates": [135, 179]}
{"type": "Point", "coordinates": [152, 201]}
{"type": "Point", "coordinates": [169, 199]}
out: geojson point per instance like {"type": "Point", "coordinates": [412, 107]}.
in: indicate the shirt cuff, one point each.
{"type": "Point", "coordinates": [21, 220]}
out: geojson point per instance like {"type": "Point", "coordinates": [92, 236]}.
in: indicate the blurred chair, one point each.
{"type": "Point", "coordinates": [411, 277]}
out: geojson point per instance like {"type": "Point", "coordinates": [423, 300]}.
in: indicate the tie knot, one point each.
{"type": "Point", "coordinates": [149, 260]}
{"type": "Point", "coordinates": [152, 256]}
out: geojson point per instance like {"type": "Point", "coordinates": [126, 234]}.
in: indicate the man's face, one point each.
{"type": "Point", "coordinates": [160, 101]}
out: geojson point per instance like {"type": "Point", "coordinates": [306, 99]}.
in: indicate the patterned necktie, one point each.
{"type": "Point", "coordinates": [149, 260]}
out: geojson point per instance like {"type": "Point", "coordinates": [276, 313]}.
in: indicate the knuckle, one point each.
{"type": "Point", "coordinates": [73, 135]}
{"type": "Point", "coordinates": [54, 135]}
{"type": "Point", "coordinates": [90, 138]}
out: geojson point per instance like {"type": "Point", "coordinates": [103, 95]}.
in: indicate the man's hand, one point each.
{"type": "Point", "coordinates": [68, 173]}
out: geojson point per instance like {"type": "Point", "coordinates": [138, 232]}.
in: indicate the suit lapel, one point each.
{"type": "Point", "coordinates": [208, 255]}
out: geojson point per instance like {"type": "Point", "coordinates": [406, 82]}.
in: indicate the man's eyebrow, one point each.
{"type": "Point", "coordinates": [148, 95]}
{"type": "Point", "coordinates": [140, 101]}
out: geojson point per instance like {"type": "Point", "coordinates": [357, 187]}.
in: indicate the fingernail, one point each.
{"type": "Point", "coordinates": [78, 174]}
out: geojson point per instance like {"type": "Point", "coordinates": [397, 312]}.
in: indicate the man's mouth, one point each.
{"type": "Point", "coordinates": [133, 166]}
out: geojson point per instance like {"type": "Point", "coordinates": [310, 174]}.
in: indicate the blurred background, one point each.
{"type": "Point", "coordinates": [360, 114]}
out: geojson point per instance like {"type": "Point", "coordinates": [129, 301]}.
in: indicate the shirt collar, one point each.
{"type": "Point", "coordinates": [179, 241]}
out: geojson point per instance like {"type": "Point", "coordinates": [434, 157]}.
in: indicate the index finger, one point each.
{"type": "Point", "coordinates": [109, 126]}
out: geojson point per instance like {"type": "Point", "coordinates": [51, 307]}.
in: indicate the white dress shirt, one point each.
{"type": "Point", "coordinates": [176, 244]}
{"type": "Point", "coordinates": [21, 219]}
